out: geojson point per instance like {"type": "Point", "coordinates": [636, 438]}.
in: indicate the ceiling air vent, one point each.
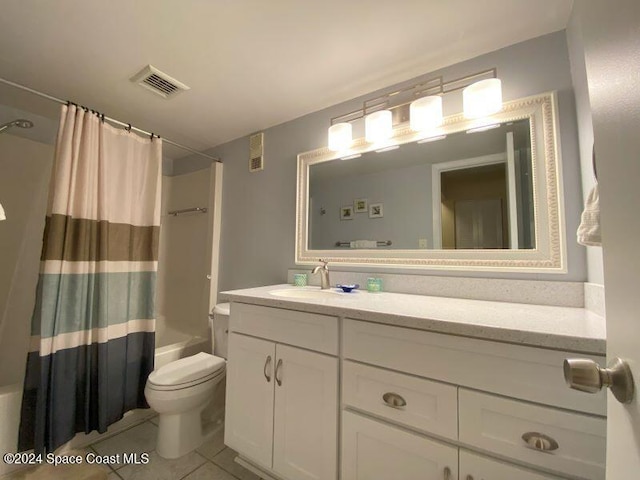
{"type": "Point", "coordinates": [158, 82]}
{"type": "Point", "coordinates": [256, 152]}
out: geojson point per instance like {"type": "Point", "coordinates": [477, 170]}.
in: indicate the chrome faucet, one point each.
{"type": "Point", "coordinates": [324, 274]}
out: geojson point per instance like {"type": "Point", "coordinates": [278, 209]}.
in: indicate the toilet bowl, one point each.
{"type": "Point", "coordinates": [179, 392]}
{"type": "Point", "coordinates": [182, 391]}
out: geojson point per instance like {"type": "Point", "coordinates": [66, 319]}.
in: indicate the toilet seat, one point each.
{"type": "Point", "coordinates": [187, 372]}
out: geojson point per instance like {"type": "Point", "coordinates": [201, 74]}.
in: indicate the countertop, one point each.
{"type": "Point", "coordinates": [561, 328]}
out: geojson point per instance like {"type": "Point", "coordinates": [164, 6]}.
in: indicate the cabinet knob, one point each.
{"type": "Point", "coordinates": [586, 375]}
{"type": "Point", "coordinates": [394, 400]}
{"type": "Point", "coordinates": [267, 365]}
{"type": "Point", "coordinates": [540, 441]}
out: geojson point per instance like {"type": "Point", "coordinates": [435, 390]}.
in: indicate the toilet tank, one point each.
{"type": "Point", "coordinates": [220, 329]}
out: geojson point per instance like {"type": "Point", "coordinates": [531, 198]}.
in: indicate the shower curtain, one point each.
{"type": "Point", "coordinates": [92, 340]}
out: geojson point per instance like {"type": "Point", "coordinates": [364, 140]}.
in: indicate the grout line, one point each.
{"type": "Point", "coordinates": [110, 436]}
{"type": "Point", "coordinates": [118, 475]}
{"type": "Point", "coordinates": [222, 467]}
{"type": "Point", "coordinates": [96, 452]}
{"type": "Point", "coordinates": [197, 468]}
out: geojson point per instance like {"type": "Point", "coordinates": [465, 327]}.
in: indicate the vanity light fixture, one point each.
{"type": "Point", "coordinates": [351, 157]}
{"type": "Point", "coordinates": [484, 128]}
{"type": "Point", "coordinates": [340, 136]}
{"type": "Point", "coordinates": [387, 149]}
{"type": "Point", "coordinates": [432, 139]}
{"type": "Point", "coordinates": [482, 98]}
{"type": "Point", "coordinates": [425, 113]}
{"type": "Point", "coordinates": [378, 126]}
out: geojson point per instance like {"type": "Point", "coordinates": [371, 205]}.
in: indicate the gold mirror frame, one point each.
{"type": "Point", "coordinates": [549, 256]}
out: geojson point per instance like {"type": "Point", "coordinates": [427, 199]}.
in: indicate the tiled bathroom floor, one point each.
{"type": "Point", "coordinates": [212, 461]}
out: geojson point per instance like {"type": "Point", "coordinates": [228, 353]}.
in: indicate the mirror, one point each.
{"type": "Point", "coordinates": [474, 195]}
{"type": "Point", "coordinates": [466, 190]}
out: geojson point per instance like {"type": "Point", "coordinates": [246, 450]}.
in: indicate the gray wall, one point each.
{"type": "Point", "coordinates": [585, 131]}
{"type": "Point", "coordinates": [406, 197]}
{"type": "Point", "coordinates": [258, 221]}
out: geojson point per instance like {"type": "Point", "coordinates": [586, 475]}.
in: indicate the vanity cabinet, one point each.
{"type": "Point", "coordinates": [282, 400]}
{"type": "Point", "coordinates": [304, 390]}
{"type": "Point", "coordinates": [455, 393]}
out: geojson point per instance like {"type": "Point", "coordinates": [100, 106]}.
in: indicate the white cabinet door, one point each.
{"type": "Point", "coordinates": [372, 450]}
{"type": "Point", "coordinates": [478, 467]}
{"type": "Point", "coordinates": [249, 402]}
{"type": "Point", "coordinates": [306, 415]}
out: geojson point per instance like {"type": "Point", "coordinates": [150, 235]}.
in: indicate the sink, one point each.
{"type": "Point", "coordinates": [305, 293]}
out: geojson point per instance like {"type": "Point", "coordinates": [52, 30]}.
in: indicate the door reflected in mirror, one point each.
{"type": "Point", "coordinates": [469, 190]}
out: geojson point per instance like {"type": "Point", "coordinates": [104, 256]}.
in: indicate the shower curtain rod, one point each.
{"type": "Point", "coordinates": [109, 119]}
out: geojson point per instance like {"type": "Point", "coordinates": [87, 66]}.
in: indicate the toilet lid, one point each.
{"type": "Point", "coordinates": [187, 369]}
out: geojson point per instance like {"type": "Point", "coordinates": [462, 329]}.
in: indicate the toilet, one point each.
{"type": "Point", "coordinates": [181, 390]}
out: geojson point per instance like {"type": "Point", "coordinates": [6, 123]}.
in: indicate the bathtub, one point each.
{"type": "Point", "coordinates": [172, 345]}
{"type": "Point", "coordinates": [10, 403]}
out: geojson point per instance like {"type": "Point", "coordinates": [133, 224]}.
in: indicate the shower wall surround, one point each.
{"type": "Point", "coordinates": [25, 167]}
{"type": "Point", "coordinates": [258, 224]}
{"type": "Point", "coordinates": [185, 252]}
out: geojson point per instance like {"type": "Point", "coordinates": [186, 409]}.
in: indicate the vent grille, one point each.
{"type": "Point", "coordinates": [256, 152]}
{"type": "Point", "coordinates": [158, 82]}
{"type": "Point", "coordinates": [256, 164]}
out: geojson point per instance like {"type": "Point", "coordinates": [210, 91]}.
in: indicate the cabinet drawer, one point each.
{"type": "Point", "coordinates": [430, 406]}
{"type": "Point", "coordinates": [513, 370]}
{"type": "Point", "coordinates": [307, 330]}
{"type": "Point", "coordinates": [373, 450]}
{"type": "Point", "coordinates": [479, 467]}
{"type": "Point", "coordinates": [497, 425]}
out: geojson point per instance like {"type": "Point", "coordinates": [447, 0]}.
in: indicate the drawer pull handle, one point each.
{"type": "Point", "coordinates": [469, 477]}
{"type": "Point", "coordinates": [278, 366]}
{"type": "Point", "coordinates": [267, 365]}
{"type": "Point", "coordinates": [540, 441]}
{"type": "Point", "coordinates": [394, 400]}
{"type": "Point", "coordinates": [447, 473]}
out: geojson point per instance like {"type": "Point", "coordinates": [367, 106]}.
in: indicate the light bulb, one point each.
{"type": "Point", "coordinates": [340, 136]}
{"type": "Point", "coordinates": [425, 113]}
{"type": "Point", "coordinates": [482, 98]}
{"type": "Point", "coordinates": [378, 126]}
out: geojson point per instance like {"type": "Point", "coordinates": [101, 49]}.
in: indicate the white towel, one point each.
{"type": "Point", "coordinates": [364, 244]}
{"type": "Point", "coordinates": [589, 229]}
{"type": "Point", "coordinates": [2, 215]}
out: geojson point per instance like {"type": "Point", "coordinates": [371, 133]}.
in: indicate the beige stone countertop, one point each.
{"type": "Point", "coordinates": [561, 328]}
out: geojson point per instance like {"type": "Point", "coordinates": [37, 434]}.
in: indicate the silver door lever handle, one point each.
{"type": "Point", "coordinates": [587, 376]}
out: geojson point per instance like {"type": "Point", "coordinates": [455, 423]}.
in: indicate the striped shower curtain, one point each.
{"type": "Point", "coordinates": [92, 340]}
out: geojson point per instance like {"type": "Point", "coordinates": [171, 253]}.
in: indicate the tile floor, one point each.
{"type": "Point", "coordinates": [212, 461]}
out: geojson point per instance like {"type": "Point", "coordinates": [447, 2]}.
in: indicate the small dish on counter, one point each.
{"type": "Point", "coordinates": [348, 288]}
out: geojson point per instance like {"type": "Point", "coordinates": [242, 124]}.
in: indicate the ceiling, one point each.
{"type": "Point", "coordinates": [251, 64]}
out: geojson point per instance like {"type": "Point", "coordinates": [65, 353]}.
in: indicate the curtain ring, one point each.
{"type": "Point", "coordinates": [102, 117]}
{"type": "Point", "coordinates": [151, 136]}
{"type": "Point", "coordinates": [128, 128]}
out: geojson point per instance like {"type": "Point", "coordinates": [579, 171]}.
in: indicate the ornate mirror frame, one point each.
{"type": "Point", "coordinates": [549, 256]}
